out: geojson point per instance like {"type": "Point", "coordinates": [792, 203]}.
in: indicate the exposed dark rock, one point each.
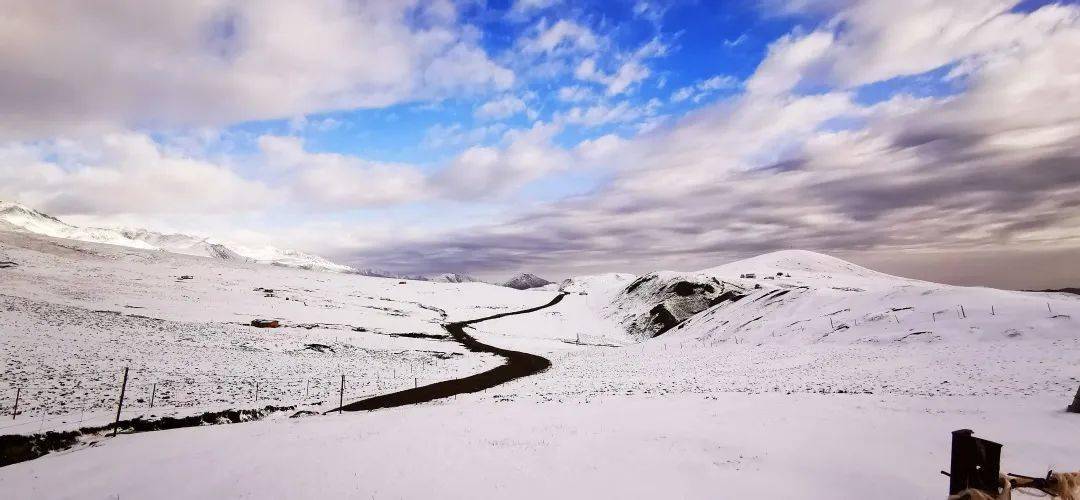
{"type": "Point", "coordinates": [526, 281]}
{"type": "Point", "coordinates": [686, 288]}
{"type": "Point", "coordinates": [662, 320]}
{"type": "Point", "coordinates": [320, 348]}
{"type": "Point", "coordinates": [638, 282]}
{"type": "Point", "coordinates": [1075, 406]}
{"type": "Point", "coordinates": [730, 295]}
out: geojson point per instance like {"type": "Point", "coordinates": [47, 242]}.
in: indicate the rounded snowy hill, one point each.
{"type": "Point", "coordinates": [804, 267]}
{"type": "Point", "coordinates": [808, 297]}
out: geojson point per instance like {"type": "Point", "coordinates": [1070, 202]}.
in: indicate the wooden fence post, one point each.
{"type": "Point", "coordinates": [341, 396]}
{"type": "Point", "coordinates": [120, 404]}
{"type": "Point", "coordinates": [15, 410]}
{"type": "Point", "coordinates": [153, 392]}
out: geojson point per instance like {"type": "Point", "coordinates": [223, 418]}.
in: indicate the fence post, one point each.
{"type": "Point", "coordinates": [1048, 308]}
{"type": "Point", "coordinates": [15, 410]}
{"type": "Point", "coordinates": [962, 311]}
{"type": "Point", "coordinates": [256, 391]}
{"type": "Point", "coordinates": [341, 395]}
{"type": "Point", "coordinates": [120, 404]}
{"type": "Point", "coordinates": [307, 384]}
{"type": "Point", "coordinates": [153, 392]}
{"type": "Point", "coordinates": [992, 311]}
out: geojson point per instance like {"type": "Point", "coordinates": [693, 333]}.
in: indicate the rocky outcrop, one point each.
{"type": "Point", "coordinates": [526, 281]}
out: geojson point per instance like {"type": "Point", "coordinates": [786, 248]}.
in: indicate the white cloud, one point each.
{"type": "Point", "coordinates": [521, 9]}
{"type": "Point", "coordinates": [788, 61]}
{"type": "Point", "coordinates": [885, 39]}
{"type": "Point", "coordinates": [502, 107]}
{"type": "Point", "coordinates": [74, 67]}
{"type": "Point", "coordinates": [331, 180]}
{"type": "Point", "coordinates": [575, 93]}
{"type": "Point", "coordinates": [122, 173]}
{"type": "Point", "coordinates": [703, 88]}
{"type": "Point", "coordinates": [630, 71]}
{"type": "Point", "coordinates": [440, 136]}
{"type": "Point", "coordinates": [487, 171]}
{"type": "Point", "coordinates": [741, 39]}
{"type": "Point", "coordinates": [651, 11]}
{"type": "Point", "coordinates": [562, 36]}
{"type": "Point", "coordinates": [602, 114]}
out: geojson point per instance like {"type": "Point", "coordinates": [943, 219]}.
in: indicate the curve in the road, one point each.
{"type": "Point", "coordinates": [518, 364]}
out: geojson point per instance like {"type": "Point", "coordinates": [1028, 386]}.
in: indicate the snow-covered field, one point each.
{"type": "Point", "coordinates": [674, 446]}
{"type": "Point", "coordinates": [74, 314]}
{"type": "Point", "coordinates": [812, 378]}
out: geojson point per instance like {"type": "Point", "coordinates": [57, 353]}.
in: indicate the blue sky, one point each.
{"type": "Point", "coordinates": [553, 136]}
{"type": "Point", "coordinates": [701, 42]}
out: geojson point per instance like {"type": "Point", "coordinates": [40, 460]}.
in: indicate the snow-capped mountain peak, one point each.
{"type": "Point", "coordinates": [18, 217]}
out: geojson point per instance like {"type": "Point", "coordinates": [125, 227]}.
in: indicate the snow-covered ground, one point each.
{"type": "Point", "coordinates": [74, 314]}
{"type": "Point", "coordinates": [674, 446]}
{"type": "Point", "coordinates": [812, 378]}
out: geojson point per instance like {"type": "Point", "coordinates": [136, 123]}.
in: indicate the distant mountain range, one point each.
{"type": "Point", "coordinates": [440, 278]}
{"type": "Point", "coordinates": [17, 217]}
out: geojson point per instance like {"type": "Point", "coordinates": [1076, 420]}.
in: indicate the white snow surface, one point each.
{"type": "Point", "coordinates": [760, 397]}
{"type": "Point", "coordinates": [74, 314]}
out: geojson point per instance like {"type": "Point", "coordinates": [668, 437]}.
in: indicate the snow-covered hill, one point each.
{"type": "Point", "coordinates": [17, 217]}
{"type": "Point", "coordinates": [526, 281]}
{"type": "Point", "coordinates": [802, 296]}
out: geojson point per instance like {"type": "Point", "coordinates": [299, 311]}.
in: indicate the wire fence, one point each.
{"type": "Point", "coordinates": [72, 400]}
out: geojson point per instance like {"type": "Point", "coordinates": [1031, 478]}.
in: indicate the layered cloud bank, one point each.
{"type": "Point", "coordinates": [865, 128]}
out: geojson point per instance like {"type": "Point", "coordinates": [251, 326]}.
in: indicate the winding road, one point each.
{"type": "Point", "coordinates": [518, 364]}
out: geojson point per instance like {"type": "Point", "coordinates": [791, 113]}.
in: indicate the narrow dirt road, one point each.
{"type": "Point", "coordinates": [518, 364]}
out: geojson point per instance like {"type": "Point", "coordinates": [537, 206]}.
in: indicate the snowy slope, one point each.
{"type": "Point", "coordinates": [16, 217]}
{"type": "Point", "coordinates": [75, 313]}
{"type": "Point", "coordinates": [801, 296]}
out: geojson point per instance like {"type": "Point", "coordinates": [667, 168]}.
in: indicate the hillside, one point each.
{"type": "Point", "coordinates": [801, 296]}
